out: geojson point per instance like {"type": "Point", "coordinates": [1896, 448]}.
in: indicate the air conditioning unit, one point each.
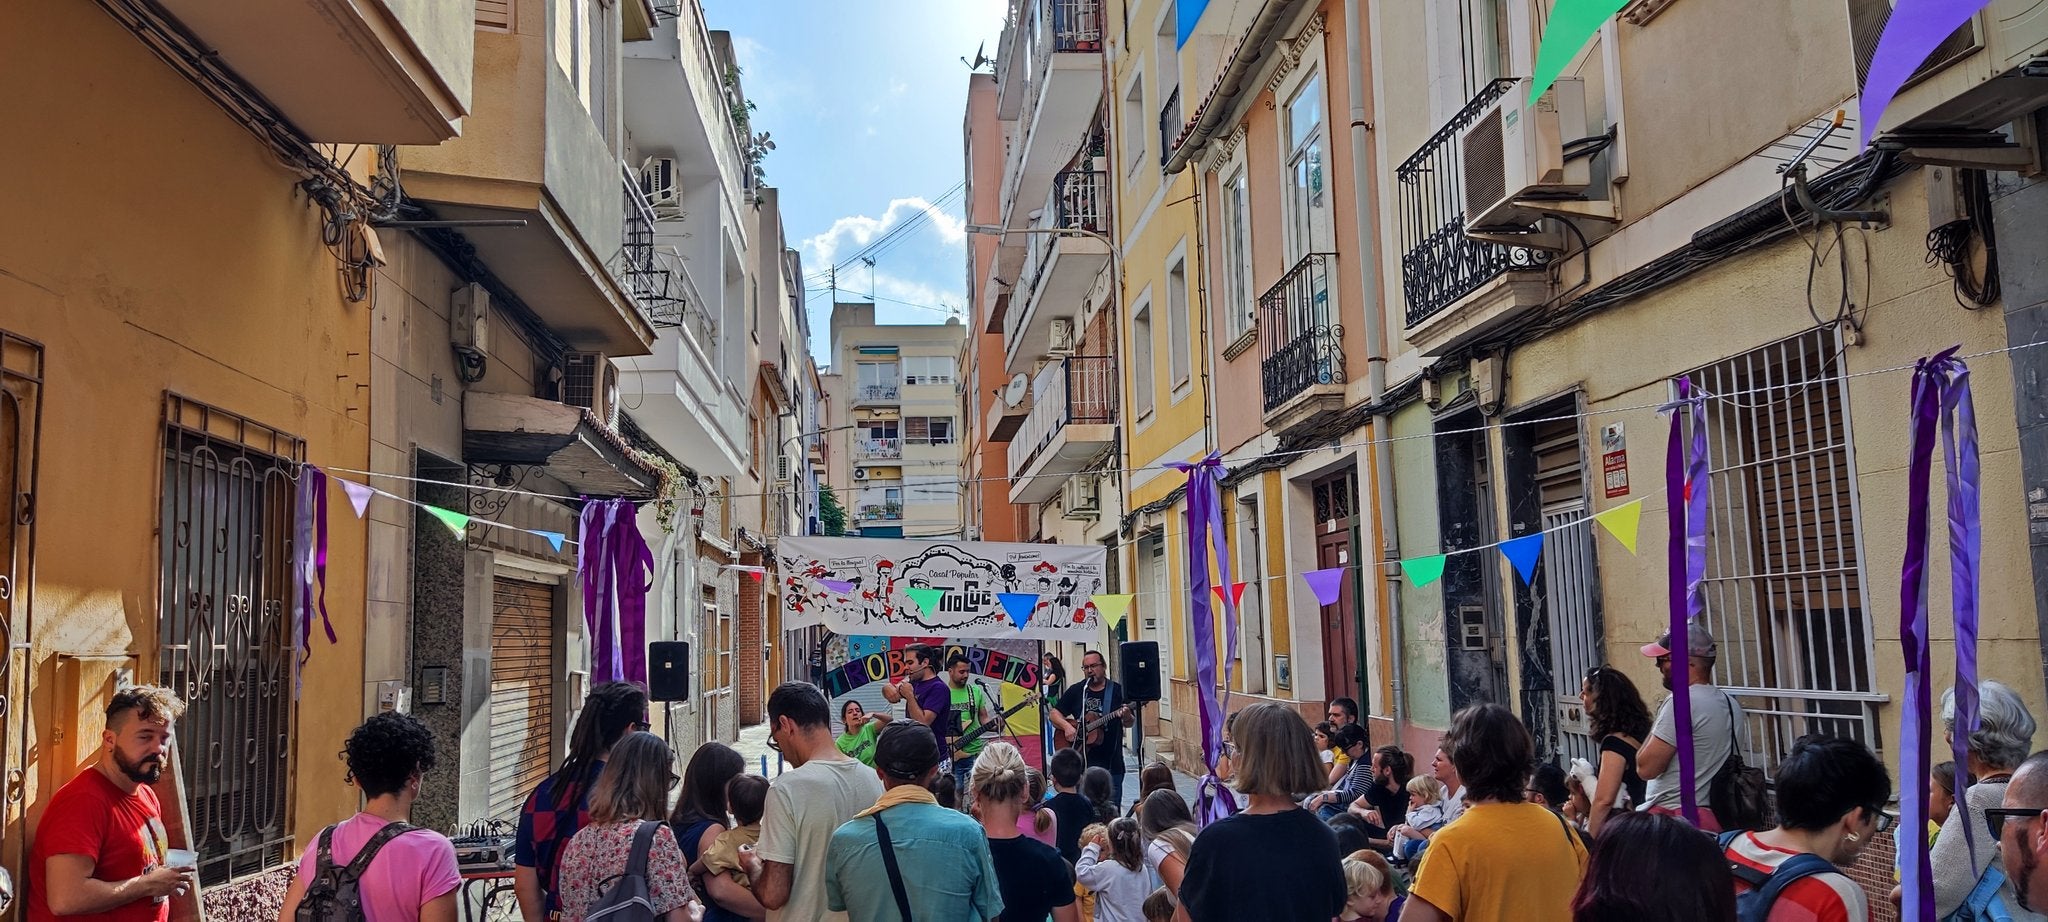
{"type": "Point", "coordinates": [1515, 151]}
{"type": "Point", "coordinates": [1081, 497]}
{"type": "Point", "coordinates": [1062, 337]}
{"type": "Point", "coordinates": [860, 473]}
{"type": "Point", "coordinates": [1992, 71]}
{"type": "Point", "coordinates": [784, 464]}
{"type": "Point", "coordinates": [590, 381]}
{"type": "Point", "coordinates": [658, 180]}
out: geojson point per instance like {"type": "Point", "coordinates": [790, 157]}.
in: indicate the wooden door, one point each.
{"type": "Point", "coordinates": [1336, 511]}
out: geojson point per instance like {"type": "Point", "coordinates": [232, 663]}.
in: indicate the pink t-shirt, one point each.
{"type": "Point", "coordinates": [1027, 823]}
{"type": "Point", "coordinates": [410, 872]}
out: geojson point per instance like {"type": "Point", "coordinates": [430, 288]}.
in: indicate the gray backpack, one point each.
{"type": "Point", "coordinates": [334, 893]}
{"type": "Point", "coordinates": [625, 896]}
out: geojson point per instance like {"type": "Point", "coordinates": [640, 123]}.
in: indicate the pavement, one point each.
{"type": "Point", "coordinates": [753, 746]}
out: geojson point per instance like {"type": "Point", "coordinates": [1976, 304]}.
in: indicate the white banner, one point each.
{"type": "Point", "coordinates": [1054, 582]}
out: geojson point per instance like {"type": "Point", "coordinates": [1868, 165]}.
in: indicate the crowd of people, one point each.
{"type": "Point", "coordinates": [1328, 827]}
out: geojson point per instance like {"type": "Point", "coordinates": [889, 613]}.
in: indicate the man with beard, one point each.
{"type": "Point", "coordinates": [101, 851]}
{"type": "Point", "coordinates": [2020, 825]}
{"type": "Point", "coordinates": [1715, 717]}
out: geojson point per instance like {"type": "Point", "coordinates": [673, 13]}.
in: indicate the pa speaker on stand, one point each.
{"type": "Point", "coordinates": [1138, 661]}
{"type": "Point", "coordinates": [668, 670]}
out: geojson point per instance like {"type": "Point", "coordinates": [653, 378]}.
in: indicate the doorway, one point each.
{"type": "Point", "coordinates": [1473, 622]}
{"type": "Point", "coordinates": [1335, 502]}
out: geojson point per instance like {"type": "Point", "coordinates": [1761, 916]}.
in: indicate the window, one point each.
{"type": "Point", "coordinates": [876, 373]}
{"type": "Point", "coordinates": [928, 430]}
{"type": "Point", "coordinates": [1134, 123]}
{"type": "Point", "coordinates": [495, 15]}
{"type": "Point", "coordinates": [1238, 309]}
{"type": "Point", "coordinates": [1141, 361]}
{"type": "Point", "coordinates": [1179, 361]}
{"type": "Point", "coordinates": [1486, 43]}
{"type": "Point", "coordinates": [877, 430]}
{"type": "Point", "coordinates": [928, 369]}
{"type": "Point", "coordinates": [224, 577]}
{"type": "Point", "coordinates": [1307, 200]}
{"type": "Point", "coordinates": [1784, 575]}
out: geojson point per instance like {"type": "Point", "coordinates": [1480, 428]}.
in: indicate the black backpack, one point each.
{"type": "Point", "coordinates": [333, 894]}
{"type": "Point", "coordinates": [626, 896]}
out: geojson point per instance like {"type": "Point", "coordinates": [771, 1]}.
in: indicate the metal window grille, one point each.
{"type": "Point", "coordinates": [21, 389]}
{"type": "Point", "coordinates": [1571, 582]}
{"type": "Point", "coordinates": [224, 629]}
{"type": "Point", "coordinates": [1784, 581]}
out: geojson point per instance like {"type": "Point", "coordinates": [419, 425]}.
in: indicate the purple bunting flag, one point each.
{"type": "Point", "coordinates": [1325, 583]}
{"type": "Point", "coordinates": [358, 495]}
{"type": "Point", "coordinates": [840, 586]}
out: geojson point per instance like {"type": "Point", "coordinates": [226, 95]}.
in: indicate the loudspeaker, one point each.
{"type": "Point", "coordinates": [1138, 661]}
{"type": "Point", "coordinates": [668, 670]}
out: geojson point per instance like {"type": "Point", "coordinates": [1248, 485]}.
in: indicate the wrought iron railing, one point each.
{"type": "Point", "coordinates": [1439, 264]}
{"type": "Point", "coordinates": [1301, 342]}
{"type": "Point", "coordinates": [1081, 200]}
{"type": "Point", "coordinates": [1076, 390]}
{"type": "Point", "coordinates": [1170, 123]}
{"type": "Point", "coordinates": [878, 449]}
{"type": "Point", "coordinates": [886, 512]}
{"type": "Point", "coordinates": [1076, 25]}
{"type": "Point", "coordinates": [868, 393]}
{"type": "Point", "coordinates": [646, 275]}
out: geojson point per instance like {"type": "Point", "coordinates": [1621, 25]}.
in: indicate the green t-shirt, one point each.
{"type": "Point", "coordinates": [969, 716]}
{"type": "Point", "coordinates": [860, 744]}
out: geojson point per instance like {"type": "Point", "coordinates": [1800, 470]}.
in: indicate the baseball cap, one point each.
{"type": "Point", "coordinates": [906, 749]}
{"type": "Point", "coordinates": [1699, 642]}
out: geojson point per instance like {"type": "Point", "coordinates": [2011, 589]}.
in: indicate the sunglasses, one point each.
{"type": "Point", "coordinates": [1885, 821]}
{"type": "Point", "coordinates": [1995, 817]}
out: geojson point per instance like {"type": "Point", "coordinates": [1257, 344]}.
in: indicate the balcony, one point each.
{"type": "Point", "coordinates": [1458, 288]}
{"type": "Point", "coordinates": [878, 450]}
{"type": "Point", "coordinates": [1049, 77]}
{"type": "Point", "coordinates": [531, 151]}
{"type": "Point", "coordinates": [881, 512]}
{"type": "Point", "coordinates": [406, 66]}
{"type": "Point", "coordinates": [1170, 124]}
{"type": "Point", "coordinates": [1072, 422]}
{"type": "Point", "coordinates": [680, 394]}
{"type": "Point", "coordinates": [1061, 266]}
{"type": "Point", "coordinates": [1301, 344]}
{"type": "Point", "coordinates": [653, 276]}
{"type": "Point", "coordinates": [877, 393]}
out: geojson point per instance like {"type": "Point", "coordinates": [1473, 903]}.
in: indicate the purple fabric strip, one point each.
{"type": "Point", "coordinates": [1204, 524]}
{"type": "Point", "coordinates": [616, 569]}
{"type": "Point", "coordinates": [1917, 871]}
{"type": "Point", "coordinates": [1914, 30]}
{"type": "Point", "coordinates": [1965, 543]}
{"type": "Point", "coordinates": [1679, 488]}
{"type": "Point", "coordinates": [320, 545]}
{"type": "Point", "coordinates": [635, 576]}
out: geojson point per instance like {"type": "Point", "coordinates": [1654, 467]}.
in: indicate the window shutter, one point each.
{"type": "Point", "coordinates": [494, 14]}
{"type": "Point", "coordinates": [916, 428]}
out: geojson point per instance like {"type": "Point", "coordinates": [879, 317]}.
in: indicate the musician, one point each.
{"type": "Point", "coordinates": [967, 708]}
{"type": "Point", "coordinates": [1097, 699]}
{"type": "Point", "coordinates": [924, 695]}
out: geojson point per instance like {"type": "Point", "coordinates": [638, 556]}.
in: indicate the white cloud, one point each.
{"type": "Point", "coordinates": [860, 230]}
{"type": "Point", "coordinates": [897, 86]}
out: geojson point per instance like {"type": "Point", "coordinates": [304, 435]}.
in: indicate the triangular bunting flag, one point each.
{"type": "Point", "coordinates": [1113, 607]}
{"type": "Point", "coordinates": [1423, 570]}
{"type": "Point", "coordinates": [554, 538]}
{"type": "Point", "coordinates": [449, 517]}
{"type": "Point", "coordinates": [926, 599]}
{"type": "Point", "coordinates": [841, 586]}
{"type": "Point", "coordinates": [1571, 25]}
{"type": "Point", "coordinates": [1236, 593]}
{"type": "Point", "coordinates": [1621, 522]}
{"type": "Point", "coordinates": [1523, 553]}
{"type": "Point", "coordinates": [1019, 605]}
{"type": "Point", "coordinates": [358, 495]}
{"type": "Point", "coordinates": [1325, 583]}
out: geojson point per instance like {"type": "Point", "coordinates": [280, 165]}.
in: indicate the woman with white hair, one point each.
{"type": "Point", "coordinates": [2004, 737]}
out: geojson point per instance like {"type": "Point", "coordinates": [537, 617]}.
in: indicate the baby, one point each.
{"type": "Point", "coordinates": [1425, 815]}
{"type": "Point", "coordinates": [745, 796]}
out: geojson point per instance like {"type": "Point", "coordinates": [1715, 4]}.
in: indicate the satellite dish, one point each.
{"type": "Point", "coordinates": [1014, 394]}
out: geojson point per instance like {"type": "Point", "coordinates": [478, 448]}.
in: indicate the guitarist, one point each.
{"type": "Point", "coordinates": [1087, 703]}
{"type": "Point", "coordinates": [968, 708]}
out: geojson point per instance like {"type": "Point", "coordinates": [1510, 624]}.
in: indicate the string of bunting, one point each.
{"type": "Point", "coordinates": [359, 495]}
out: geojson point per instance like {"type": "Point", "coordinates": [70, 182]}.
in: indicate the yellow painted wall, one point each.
{"type": "Point", "coordinates": [151, 244]}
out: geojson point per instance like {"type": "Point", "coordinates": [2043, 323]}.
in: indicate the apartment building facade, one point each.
{"type": "Point", "coordinates": [897, 447]}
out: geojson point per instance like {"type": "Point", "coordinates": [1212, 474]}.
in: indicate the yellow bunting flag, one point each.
{"type": "Point", "coordinates": [449, 517]}
{"type": "Point", "coordinates": [1621, 522]}
{"type": "Point", "coordinates": [1113, 607]}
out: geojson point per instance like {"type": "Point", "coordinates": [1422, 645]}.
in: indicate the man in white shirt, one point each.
{"type": "Point", "coordinates": [1716, 719]}
{"type": "Point", "coordinates": [805, 805]}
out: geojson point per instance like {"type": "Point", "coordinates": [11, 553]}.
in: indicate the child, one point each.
{"type": "Point", "coordinates": [745, 796]}
{"type": "Point", "coordinates": [1113, 865]}
{"type": "Point", "coordinates": [1037, 820]}
{"type": "Point", "coordinates": [1425, 815]}
{"type": "Point", "coordinates": [1367, 892]}
{"type": "Point", "coordinates": [946, 791]}
{"type": "Point", "coordinates": [1099, 787]}
{"type": "Point", "coordinates": [1159, 906]}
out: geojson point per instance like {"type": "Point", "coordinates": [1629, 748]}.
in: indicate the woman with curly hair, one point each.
{"type": "Point", "coordinates": [1619, 721]}
{"type": "Point", "coordinates": [412, 873]}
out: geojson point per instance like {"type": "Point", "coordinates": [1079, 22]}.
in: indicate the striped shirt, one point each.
{"type": "Point", "coordinates": [1826, 897]}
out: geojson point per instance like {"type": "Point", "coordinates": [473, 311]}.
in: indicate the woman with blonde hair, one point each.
{"type": "Point", "coordinates": [1034, 880]}
{"type": "Point", "coordinates": [1235, 861]}
{"type": "Point", "coordinates": [628, 804]}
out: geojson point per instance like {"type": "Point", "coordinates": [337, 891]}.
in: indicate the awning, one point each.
{"type": "Point", "coordinates": [566, 442]}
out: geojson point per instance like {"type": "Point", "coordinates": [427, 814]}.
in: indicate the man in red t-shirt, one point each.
{"type": "Point", "coordinates": [101, 851]}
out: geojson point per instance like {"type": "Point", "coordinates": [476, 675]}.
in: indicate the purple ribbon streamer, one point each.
{"type": "Point", "coordinates": [1687, 482]}
{"type": "Point", "coordinates": [1205, 529]}
{"type": "Point", "coordinates": [615, 568]}
{"type": "Point", "coordinates": [1940, 395]}
{"type": "Point", "coordinates": [309, 566]}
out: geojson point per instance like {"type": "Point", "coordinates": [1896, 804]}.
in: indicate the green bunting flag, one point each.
{"type": "Point", "coordinates": [1423, 570]}
{"type": "Point", "coordinates": [1572, 24]}
{"type": "Point", "coordinates": [449, 517]}
{"type": "Point", "coordinates": [927, 599]}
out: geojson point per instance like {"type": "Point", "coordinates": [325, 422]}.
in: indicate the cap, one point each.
{"type": "Point", "coordinates": [906, 749]}
{"type": "Point", "coordinates": [1699, 642]}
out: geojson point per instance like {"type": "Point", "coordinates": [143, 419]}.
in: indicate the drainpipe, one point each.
{"type": "Point", "coordinates": [1376, 361]}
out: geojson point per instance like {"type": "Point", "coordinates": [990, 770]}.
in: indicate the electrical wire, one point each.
{"type": "Point", "coordinates": [1949, 244]}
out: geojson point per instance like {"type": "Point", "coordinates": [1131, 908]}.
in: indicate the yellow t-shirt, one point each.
{"type": "Point", "coordinates": [1502, 863]}
{"type": "Point", "coordinates": [1338, 756]}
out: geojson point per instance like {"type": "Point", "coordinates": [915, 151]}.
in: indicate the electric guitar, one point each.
{"type": "Point", "coordinates": [965, 739]}
{"type": "Point", "coordinates": [1092, 731]}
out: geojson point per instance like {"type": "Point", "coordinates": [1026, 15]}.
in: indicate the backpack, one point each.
{"type": "Point", "coordinates": [1738, 792]}
{"type": "Point", "coordinates": [1754, 905]}
{"type": "Point", "coordinates": [334, 894]}
{"type": "Point", "coordinates": [625, 896]}
{"type": "Point", "coordinates": [1984, 904]}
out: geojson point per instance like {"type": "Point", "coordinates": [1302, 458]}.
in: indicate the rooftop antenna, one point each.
{"type": "Point", "coordinates": [981, 59]}
{"type": "Point", "coordinates": [870, 261]}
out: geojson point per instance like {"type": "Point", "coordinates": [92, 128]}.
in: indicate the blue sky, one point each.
{"type": "Point", "coordinates": [865, 101]}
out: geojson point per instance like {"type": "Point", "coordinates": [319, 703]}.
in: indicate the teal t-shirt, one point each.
{"type": "Point", "coordinates": [944, 857]}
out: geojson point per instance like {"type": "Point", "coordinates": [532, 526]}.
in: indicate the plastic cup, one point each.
{"type": "Point", "coordinates": [181, 858]}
